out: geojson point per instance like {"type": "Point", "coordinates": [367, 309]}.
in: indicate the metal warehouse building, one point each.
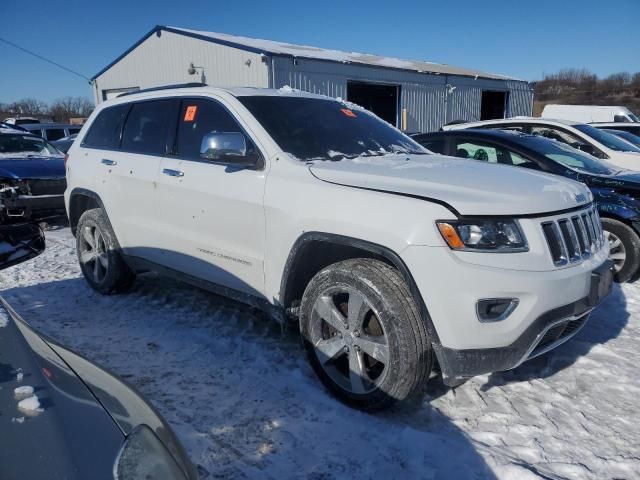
{"type": "Point", "coordinates": [413, 95]}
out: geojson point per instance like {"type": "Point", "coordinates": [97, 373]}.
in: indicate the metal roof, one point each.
{"type": "Point", "coordinates": [270, 47]}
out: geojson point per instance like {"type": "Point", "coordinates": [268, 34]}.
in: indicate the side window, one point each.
{"type": "Point", "coordinates": [55, 134]}
{"type": "Point", "coordinates": [436, 145]}
{"type": "Point", "coordinates": [557, 134]}
{"type": "Point", "coordinates": [476, 151]}
{"type": "Point", "coordinates": [147, 127]}
{"type": "Point", "coordinates": [197, 118]}
{"type": "Point", "coordinates": [105, 129]}
{"type": "Point", "coordinates": [74, 130]}
{"type": "Point", "coordinates": [36, 132]}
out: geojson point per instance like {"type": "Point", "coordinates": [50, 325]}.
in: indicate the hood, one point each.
{"type": "Point", "coordinates": [86, 410]}
{"type": "Point", "coordinates": [624, 180]}
{"type": "Point", "coordinates": [470, 187]}
{"type": "Point", "coordinates": [627, 160]}
{"type": "Point", "coordinates": [71, 435]}
{"type": "Point", "coordinates": [33, 167]}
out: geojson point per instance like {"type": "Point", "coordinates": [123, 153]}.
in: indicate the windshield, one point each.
{"type": "Point", "coordinates": [628, 136]}
{"type": "Point", "coordinates": [318, 129]}
{"type": "Point", "coordinates": [607, 139]}
{"type": "Point", "coordinates": [566, 155]}
{"type": "Point", "coordinates": [634, 117]}
{"type": "Point", "coordinates": [25, 146]}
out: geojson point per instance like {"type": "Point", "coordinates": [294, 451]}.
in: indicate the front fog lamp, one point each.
{"type": "Point", "coordinates": [143, 456]}
{"type": "Point", "coordinates": [495, 309]}
{"type": "Point", "coordinates": [483, 235]}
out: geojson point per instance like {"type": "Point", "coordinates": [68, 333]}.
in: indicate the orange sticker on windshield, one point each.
{"type": "Point", "coordinates": [190, 113]}
{"type": "Point", "coordinates": [348, 113]}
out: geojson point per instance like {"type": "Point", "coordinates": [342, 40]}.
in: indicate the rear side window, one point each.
{"type": "Point", "coordinates": [73, 131]}
{"type": "Point", "coordinates": [105, 129]}
{"type": "Point", "coordinates": [36, 132]}
{"type": "Point", "coordinates": [55, 134]}
{"type": "Point", "coordinates": [436, 145]}
{"type": "Point", "coordinates": [197, 118]}
{"type": "Point", "coordinates": [147, 127]}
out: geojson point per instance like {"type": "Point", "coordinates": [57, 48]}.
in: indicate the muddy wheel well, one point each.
{"type": "Point", "coordinates": [80, 202]}
{"type": "Point", "coordinates": [315, 251]}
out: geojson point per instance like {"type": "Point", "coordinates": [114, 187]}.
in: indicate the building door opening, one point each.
{"type": "Point", "coordinates": [380, 99]}
{"type": "Point", "coordinates": [493, 105]}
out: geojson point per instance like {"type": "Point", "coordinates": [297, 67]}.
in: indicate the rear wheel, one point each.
{"type": "Point", "coordinates": [98, 254]}
{"type": "Point", "coordinates": [624, 248]}
{"type": "Point", "coordinates": [363, 334]}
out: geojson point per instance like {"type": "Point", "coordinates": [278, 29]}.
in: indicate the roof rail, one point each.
{"type": "Point", "coordinates": [164, 87]}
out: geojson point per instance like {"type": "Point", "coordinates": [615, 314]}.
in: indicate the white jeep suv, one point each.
{"type": "Point", "coordinates": [388, 256]}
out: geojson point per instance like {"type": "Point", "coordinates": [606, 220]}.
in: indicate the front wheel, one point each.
{"type": "Point", "coordinates": [624, 248]}
{"type": "Point", "coordinates": [363, 334]}
{"type": "Point", "coordinates": [98, 254]}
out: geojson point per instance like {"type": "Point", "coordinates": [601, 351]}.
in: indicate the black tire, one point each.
{"type": "Point", "coordinates": [629, 246]}
{"type": "Point", "coordinates": [386, 313]}
{"type": "Point", "coordinates": [102, 266]}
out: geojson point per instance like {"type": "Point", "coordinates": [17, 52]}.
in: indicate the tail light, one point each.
{"type": "Point", "coordinates": [66, 159]}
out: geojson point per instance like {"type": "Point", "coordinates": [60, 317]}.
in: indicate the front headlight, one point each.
{"type": "Point", "coordinates": [144, 456]}
{"type": "Point", "coordinates": [485, 235]}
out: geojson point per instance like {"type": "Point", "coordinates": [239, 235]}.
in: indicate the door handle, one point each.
{"type": "Point", "coordinates": [172, 173]}
{"type": "Point", "coordinates": [106, 161]}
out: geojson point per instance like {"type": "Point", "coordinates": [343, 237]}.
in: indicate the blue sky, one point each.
{"type": "Point", "coordinates": [519, 38]}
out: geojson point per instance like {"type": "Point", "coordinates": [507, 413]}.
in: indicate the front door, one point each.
{"type": "Point", "coordinates": [212, 212]}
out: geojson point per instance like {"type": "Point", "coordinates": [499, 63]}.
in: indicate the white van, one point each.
{"type": "Point", "coordinates": [589, 113]}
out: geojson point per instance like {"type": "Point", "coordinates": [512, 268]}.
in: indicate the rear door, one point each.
{"type": "Point", "coordinates": [212, 212]}
{"type": "Point", "coordinates": [130, 174]}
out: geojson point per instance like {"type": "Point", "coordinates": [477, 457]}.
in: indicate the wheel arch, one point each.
{"type": "Point", "coordinates": [81, 200]}
{"type": "Point", "coordinates": [328, 248]}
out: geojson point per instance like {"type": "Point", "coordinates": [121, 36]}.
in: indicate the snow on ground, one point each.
{"type": "Point", "coordinates": [241, 397]}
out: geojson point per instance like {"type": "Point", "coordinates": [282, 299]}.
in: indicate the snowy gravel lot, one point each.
{"type": "Point", "coordinates": [241, 397]}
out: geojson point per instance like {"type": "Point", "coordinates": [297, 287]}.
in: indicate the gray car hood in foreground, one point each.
{"type": "Point", "coordinates": [86, 410]}
{"type": "Point", "coordinates": [470, 187]}
{"type": "Point", "coordinates": [73, 437]}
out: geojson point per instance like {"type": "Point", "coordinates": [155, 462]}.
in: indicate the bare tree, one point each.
{"type": "Point", "coordinates": [28, 106]}
{"type": "Point", "coordinates": [65, 108]}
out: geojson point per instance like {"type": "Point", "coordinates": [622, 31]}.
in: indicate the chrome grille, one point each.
{"type": "Point", "coordinates": [574, 238]}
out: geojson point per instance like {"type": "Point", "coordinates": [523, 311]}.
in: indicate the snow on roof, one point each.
{"type": "Point", "coordinates": [303, 51]}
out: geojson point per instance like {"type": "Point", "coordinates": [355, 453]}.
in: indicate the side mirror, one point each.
{"type": "Point", "coordinates": [226, 147]}
{"type": "Point", "coordinates": [19, 243]}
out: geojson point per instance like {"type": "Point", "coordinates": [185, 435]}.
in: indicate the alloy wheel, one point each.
{"type": "Point", "coordinates": [93, 253]}
{"type": "Point", "coordinates": [349, 340]}
{"type": "Point", "coordinates": [617, 252]}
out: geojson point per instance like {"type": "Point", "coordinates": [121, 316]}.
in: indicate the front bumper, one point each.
{"type": "Point", "coordinates": [29, 206]}
{"type": "Point", "coordinates": [546, 332]}
{"type": "Point", "coordinates": [451, 287]}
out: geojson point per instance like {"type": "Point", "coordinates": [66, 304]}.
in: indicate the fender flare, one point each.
{"type": "Point", "coordinates": [294, 259]}
{"type": "Point", "coordinates": [86, 193]}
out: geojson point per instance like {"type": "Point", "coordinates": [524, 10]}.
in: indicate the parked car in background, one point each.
{"type": "Point", "coordinates": [32, 177]}
{"type": "Point", "coordinates": [52, 131]}
{"type": "Point", "coordinates": [318, 211]}
{"type": "Point", "coordinates": [625, 127]}
{"type": "Point", "coordinates": [62, 416]}
{"type": "Point", "coordinates": [590, 113]}
{"type": "Point", "coordinates": [5, 126]}
{"type": "Point", "coordinates": [629, 137]}
{"type": "Point", "coordinates": [616, 192]}
{"type": "Point", "coordinates": [64, 143]}
{"type": "Point", "coordinates": [20, 120]}
{"type": "Point", "coordinates": [586, 138]}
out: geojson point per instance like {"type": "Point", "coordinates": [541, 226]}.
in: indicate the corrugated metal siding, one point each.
{"type": "Point", "coordinates": [164, 60]}
{"type": "Point", "coordinates": [429, 102]}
